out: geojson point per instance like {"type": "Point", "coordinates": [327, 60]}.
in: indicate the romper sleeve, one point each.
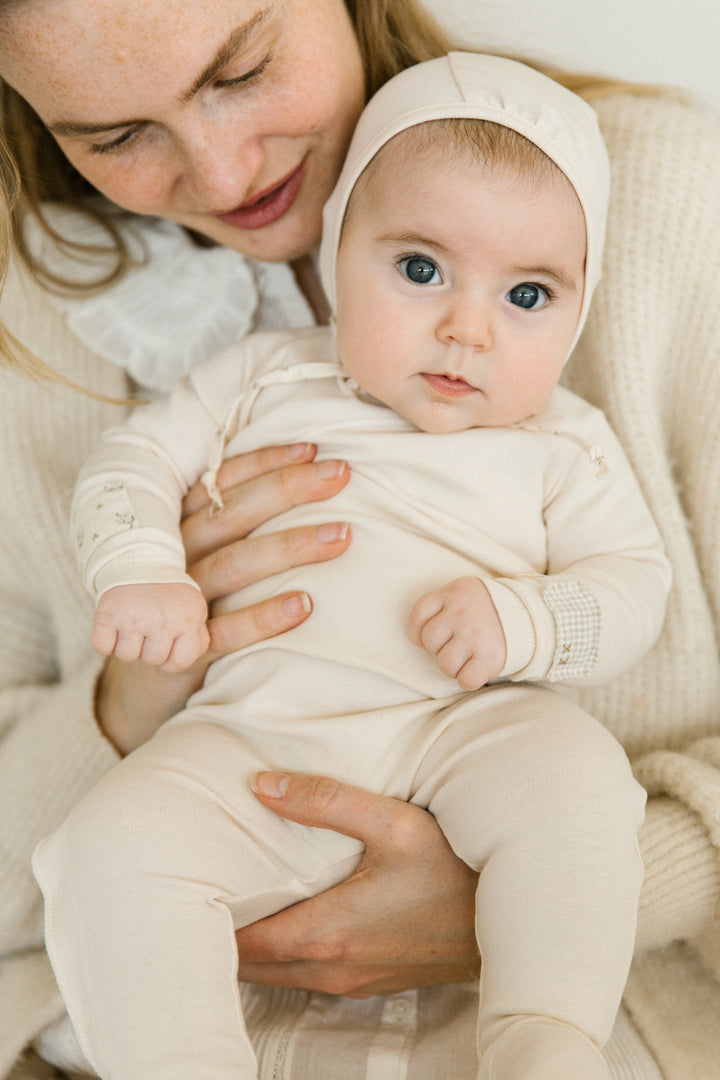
{"type": "Point", "coordinates": [126, 507]}
{"type": "Point", "coordinates": [51, 748]}
{"type": "Point", "coordinates": [601, 603]}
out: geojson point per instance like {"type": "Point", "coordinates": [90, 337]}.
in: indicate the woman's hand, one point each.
{"type": "Point", "coordinates": [404, 919]}
{"type": "Point", "coordinates": [133, 700]}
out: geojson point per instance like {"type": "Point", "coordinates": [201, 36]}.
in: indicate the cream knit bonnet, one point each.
{"type": "Point", "coordinates": [474, 85]}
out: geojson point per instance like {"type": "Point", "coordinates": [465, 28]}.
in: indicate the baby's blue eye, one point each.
{"type": "Point", "coordinates": [529, 297]}
{"type": "Point", "coordinates": [420, 270]}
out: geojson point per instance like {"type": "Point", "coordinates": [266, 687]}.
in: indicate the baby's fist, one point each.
{"type": "Point", "coordinates": [460, 626]}
{"type": "Point", "coordinates": [162, 624]}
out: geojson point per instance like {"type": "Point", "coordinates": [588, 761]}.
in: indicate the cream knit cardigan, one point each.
{"type": "Point", "coordinates": [650, 357]}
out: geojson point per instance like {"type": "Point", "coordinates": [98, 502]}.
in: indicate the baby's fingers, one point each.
{"type": "Point", "coordinates": [474, 674]}
{"type": "Point", "coordinates": [156, 648]}
{"type": "Point", "coordinates": [453, 656]}
{"type": "Point", "coordinates": [186, 649]}
{"type": "Point", "coordinates": [129, 645]}
{"type": "Point", "coordinates": [457, 660]}
{"type": "Point", "coordinates": [426, 608]}
{"type": "Point", "coordinates": [104, 639]}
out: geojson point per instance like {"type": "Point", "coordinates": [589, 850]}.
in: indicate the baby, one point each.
{"type": "Point", "coordinates": [500, 545]}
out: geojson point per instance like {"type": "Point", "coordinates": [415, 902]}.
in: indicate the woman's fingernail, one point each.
{"type": "Point", "coordinates": [327, 470]}
{"type": "Point", "coordinates": [274, 785]}
{"type": "Point", "coordinates": [330, 534]}
{"type": "Point", "coordinates": [297, 450]}
{"type": "Point", "coordinates": [297, 604]}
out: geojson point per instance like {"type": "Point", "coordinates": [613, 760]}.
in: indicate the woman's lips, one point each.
{"type": "Point", "coordinates": [447, 386]}
{"type": "Point", "coordinates": [269, 205]}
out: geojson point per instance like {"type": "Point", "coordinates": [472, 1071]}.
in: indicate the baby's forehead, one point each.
{"type": "Point", "coordinates": [489, 145]}
{"type": "Point", "coordinates": [403, 192]}
{"type": "Point", "coordinates": [496, 151]}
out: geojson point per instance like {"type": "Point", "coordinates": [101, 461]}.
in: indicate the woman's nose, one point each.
{"type": "Point", "coordinates": [219, 171]}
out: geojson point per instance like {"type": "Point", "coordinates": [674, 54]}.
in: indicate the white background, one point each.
{"type": "Point", "coordinates": [669, 41]}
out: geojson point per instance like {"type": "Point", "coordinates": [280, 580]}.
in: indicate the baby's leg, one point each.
{"type": "Point", "coordinates": [540, 797]}
{"type": "Point", "coordinates": [144, 885]}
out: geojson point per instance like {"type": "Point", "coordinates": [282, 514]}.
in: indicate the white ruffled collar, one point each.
{"type": "Point", "coordinates": [177, 306]}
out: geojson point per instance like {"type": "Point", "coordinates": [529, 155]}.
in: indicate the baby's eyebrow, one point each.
{"type": "Point", "coordinates": [412, 239]}
{"type": "Point", "coordinates": [232, 45]}
{"type": "Point", "coordinates": [563, 280]}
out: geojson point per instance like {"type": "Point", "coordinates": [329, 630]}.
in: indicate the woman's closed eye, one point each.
{"type": "Point", "coordinates": [529, 296]}
{"type": "Point", "coordinates": [124, 139]}
{"type": "Point", "coordinates": [420, 270]}
{"type": "Point", "coordinates": [246, 77]}
{"type": "Point", "coordinates": [129, 136]}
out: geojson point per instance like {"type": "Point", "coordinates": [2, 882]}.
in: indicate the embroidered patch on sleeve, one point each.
{"type": "Point", "coordinates": [110, 513]}
{"type": "Point", "coordinates": [577, 622]}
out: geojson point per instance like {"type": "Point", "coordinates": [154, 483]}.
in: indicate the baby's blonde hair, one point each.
{"type": "Point", "coordinates": [489, 144]}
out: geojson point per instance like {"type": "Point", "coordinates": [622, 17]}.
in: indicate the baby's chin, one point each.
{"type": "Point", "coordinates": [444, 423]}
{"type": "Point", "coordinates": [444, 419]}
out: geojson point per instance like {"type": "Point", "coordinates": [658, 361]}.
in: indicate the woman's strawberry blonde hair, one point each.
{"type": "Point", "coordinates": [9, 190]}
{"type": "Point", "coordinates": [392, 35]}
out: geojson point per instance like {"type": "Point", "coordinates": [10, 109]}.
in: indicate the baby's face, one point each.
{"type": "Point", "coordinates": [459, 289]}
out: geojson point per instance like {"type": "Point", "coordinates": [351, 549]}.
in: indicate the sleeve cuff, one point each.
{"type": "Point", "coordinates": [528, 627]}
{"type": "Point", "coordinates": [130, 573]}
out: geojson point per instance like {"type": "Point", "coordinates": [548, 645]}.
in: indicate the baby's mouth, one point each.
{"type": "Point", "coordinates": [448, 385]}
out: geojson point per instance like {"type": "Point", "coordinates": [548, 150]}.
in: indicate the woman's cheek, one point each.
{"type": "Point", "coordinates": [131, 187]}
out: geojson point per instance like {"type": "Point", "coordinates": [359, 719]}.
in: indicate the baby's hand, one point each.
{"type": "Point", "coordinates": [460, 626]}
{"type": "Point", "coordinates": [164, 625]}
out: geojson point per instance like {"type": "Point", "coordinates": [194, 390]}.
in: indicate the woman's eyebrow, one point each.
{"type": "Point", "coordinates": [232, 45]}
{"type": "Point", "coordinates": [236, 41]}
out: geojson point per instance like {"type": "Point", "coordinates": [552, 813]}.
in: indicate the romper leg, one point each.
{"type": "Point", "coordinates": [144, 885]}
{"type": "Point", "coordinates": [540, 797]}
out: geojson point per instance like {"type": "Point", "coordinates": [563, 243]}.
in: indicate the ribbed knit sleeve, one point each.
{"type": "Point", "coordinates": [51, 749]}
{"type": "Point", "coordinates": [650, 358]}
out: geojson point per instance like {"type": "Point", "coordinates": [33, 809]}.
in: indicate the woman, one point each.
{"type": "Point", "coordinates": [217, 121]}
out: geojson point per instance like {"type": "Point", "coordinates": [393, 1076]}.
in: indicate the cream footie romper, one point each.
{"type": "Point", "coordinates": [148, 877]}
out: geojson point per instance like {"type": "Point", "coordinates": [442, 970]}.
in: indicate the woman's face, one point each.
{"type": "Point", "coordinates": [231, 117]}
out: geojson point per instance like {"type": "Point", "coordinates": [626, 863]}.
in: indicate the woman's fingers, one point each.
{"type": "Point", "coordinates": [343, 941]}
{"type": "Point", "coordinates": [308, 947]}
{"type": "Point", "coordinates": [243, 562]}
{"type": "Point", "coordinates": [134, 699]}
{"type": "Point", "coordinates": [326, 803]}
{"type": "Point", "coordinates": [257, 501]}
{"type": "Point", "coordinates": [238, 470]}
{"type": "Point", "coordinates": [238, 629]}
